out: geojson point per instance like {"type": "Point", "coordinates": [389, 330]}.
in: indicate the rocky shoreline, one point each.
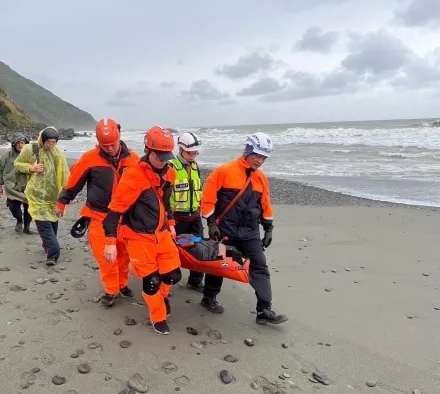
{"type": "Point", "coordinates": [6, 134]}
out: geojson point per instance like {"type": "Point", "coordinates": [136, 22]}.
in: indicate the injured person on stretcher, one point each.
{"type": "Point", "coordinates": [212, 257]}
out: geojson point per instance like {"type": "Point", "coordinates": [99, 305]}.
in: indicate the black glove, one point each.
{"type": "Point", "coordinates": [267, 239]}
{"type": "Point", "coordinates": [213, 231]}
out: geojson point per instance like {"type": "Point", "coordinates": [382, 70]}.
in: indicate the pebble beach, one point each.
{"type": "Point", "coordinates": [359, 280]}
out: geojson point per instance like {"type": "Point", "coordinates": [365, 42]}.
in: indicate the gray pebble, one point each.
{"type": "Point", "coordinates": [254, 386]}
{"type": "Point", "coordinates": [53, 296]}
{"type": "Point", "coordinates": [35, 370]}
{"type": "Point", "coordinates": [415, 391]}
{"type": "Point", "coordinates": [95, 300]}
{"type": "Point", "coordinates": [371, 383]}
{"type": "Point", "coordinates": [284, 345]}
{"type": "Point", "coordinates": [230, 359]}
{"type": "Point", "coordinates": [304, 371]}
{"type": "Point", "coordinates": [226, 376]}
{"type": "Point", "coordinates": [249, 342]}
{"type": "Point", "coordinates": [94, 345]}
{"type": "Point", "coordinates": [21, 342]}
{"type": "Point", "coordinates": [328, 290]}
{"type": "Point", "coordinates": [137, 383]}
{"type": "Point", "coordinates": [197, 345]}
{"type": "Point", "coordinates": [84, 368]}
{"type": "Point", "coordinates": [285, 366]}
{"type": "Point", "coordinates": [86, 249]}
{"type": "Point", "coordinates": [168, 367]}
{"type": "Point", "coordinates": [40, 281]}
{"type": "Point", "coordinates": [74, 355]}
{"type": "Point", "coordinates": [334, 271]}
{"type": "Point", "coordinates": [192, 331]}
{"type": "Point", "coordinates": [348, 269]}
{"type": "Point", "coordinates": [437, 308]}
{"type": "Point", "coordinates": [425, 274]}
{"type": "Point", "coordinates": [321, 378]}
{"type": "Point", "coordinates": [54, 280]}
{"type": "Point", "coordinates": [118, 331]}
{"type": "Point", "coordinates": [80, 351]}
{"type": "Point", "coordinates": [58, 380]}
{"type": "Point", "coordinates": [27, 379]}
{"type": "Point", "coordinates": [4, 269]}
{"type": "Point", "coordinates": [125, 344]}
{"type": "Point", "coordinates": [130, 322]}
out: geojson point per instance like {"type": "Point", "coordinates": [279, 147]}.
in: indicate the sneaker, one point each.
{"type": "Point", "coordinates": [108, 300]}
{"type": "Point", "coordinates": [50, 262]}
{"type": "Point", "coordinates": [197, 286]}
{"type": "Point", "coordinates": [212, 305]}
{"type": "Point", "coordinates": [19, 227]}
{"type": "Point", "coordinates": [161, 327]}
{"type": "Point", "coordinates": [126, 292]}
{"type": "Point", "coordinates": [270, 316]}
{"type": "Point", "coordinates": [167, 305]}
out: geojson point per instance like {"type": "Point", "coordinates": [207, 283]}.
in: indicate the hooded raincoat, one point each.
{"type": "Point", "coordinates": [10, 178]}
{"type": "Point", "coordinates": [43, 188]}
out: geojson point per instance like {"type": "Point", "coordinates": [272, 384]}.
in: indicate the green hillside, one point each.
{"type": "Point", "coordinates": [11, 116]}
{"type": "Point", "coordinates": [41, 104]}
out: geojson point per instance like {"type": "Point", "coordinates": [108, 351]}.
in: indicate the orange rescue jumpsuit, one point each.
{"type": "Point", "coordinates": [98, 170]}
{"type": "Point", "coordinates": [142, 198]}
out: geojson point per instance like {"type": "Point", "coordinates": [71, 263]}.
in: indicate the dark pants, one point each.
{"type": "Point", "coordinates": [15, 208]}
{"type": "Point", "coordinates": [48, 233]}
{"type": "Point", "coordinates": [193, 227]}
{"type": "Point", "coordinates": [258, 272]}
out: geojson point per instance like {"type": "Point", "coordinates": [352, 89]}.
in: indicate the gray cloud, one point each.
{"type": "Point", "coordinates": [262, 86]}
{"type": "Point", "coordinates": [204, 90]}
{"type": "Point", "coordinates": [314, 39]}
{"type": "Point", "coordinates": [168, 84]}
{"type": "Point", "coordinates": [419, 13]}
{"type": "Point", "coordinates": [376, 53]}
{"type": "Point", "coordinates": [122, 98]}
{"type": "Point", "coordinates": [246, 66]}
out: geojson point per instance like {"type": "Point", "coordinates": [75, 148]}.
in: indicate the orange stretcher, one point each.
{"type": "Point", "coordinates": [225, 267]}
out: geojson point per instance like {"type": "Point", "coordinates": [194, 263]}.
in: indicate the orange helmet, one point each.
{"type": "Point", "coordinates": [161, 142]}
{"type": "Point", "coordinates": [107, 132]}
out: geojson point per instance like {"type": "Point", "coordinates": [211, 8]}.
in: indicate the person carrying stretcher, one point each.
{"type": "Point", "coordinates": [142, 198]}
{"type": "Point", "coordinates": [235, 200]}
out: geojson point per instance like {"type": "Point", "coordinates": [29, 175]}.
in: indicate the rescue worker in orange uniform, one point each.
{"type": "Point", "coordinates": [142, 198]}
{"type": "Point", "coordinates": [101, 169]}
{"type": "Point", "coordinates": [238, 220]}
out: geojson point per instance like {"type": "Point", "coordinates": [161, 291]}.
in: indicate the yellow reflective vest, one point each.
{"type": "Point", "coordinates": [187, 191]}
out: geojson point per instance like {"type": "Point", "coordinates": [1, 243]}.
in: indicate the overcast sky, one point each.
{"type": "Point", "coordinates": [200, 62]}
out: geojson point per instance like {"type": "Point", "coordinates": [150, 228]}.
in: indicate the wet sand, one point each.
{"type": "Point", "coordinates": [360, 285]}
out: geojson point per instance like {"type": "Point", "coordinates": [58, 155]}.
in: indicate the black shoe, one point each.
{"type": "Point", "coordinates": [27, 230]}
{"type": "Point", "coordinates": [108, 300]}
{"type": "Point", "coordinates": [50, 262]}
{"type": "Point", "coordinates": [126, 292]}
{"type": "Point", "coordinates": [212, 305]}
{"type": "Point", "coordinates": [19, 227]}
{"type": "Point", "coordinates": [161, 327]}
{"type": "Point", "coordinates": [198, 286]}
{"type": "Point", "coordinates": [167, 305]}
{"type": "Point", "coordinates": [270, 316]}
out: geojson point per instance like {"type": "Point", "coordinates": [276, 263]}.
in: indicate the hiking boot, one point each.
{"type": "Point", "coordinates": [126, 292]}
{"type": "Point", "coordinates": [212, 305]}
{"type": "Point", "coordinates": [270, 316]}
{"type": "Point", "coordinates": [50, 262]}
{"type": "Point", "coordinates": [197, 286]}
{"type": "Point", "coordinates": [161, 327]}
{"type": "Point", "coordinates": [108, 300]}
{"type": "Point", "coordinates": [167, 305]}
{"type": "Point", "coordinates": [19, 227]}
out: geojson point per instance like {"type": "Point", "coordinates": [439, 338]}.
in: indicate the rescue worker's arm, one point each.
{"type": "Point", "coordinates": [125, 195]}
{"type": "Point", "coordinates": [213, 184]}
{"type": "Point", "coordinates": [266, 218]}
{"type": "Point", "coordinates": [167, 193]}
{"type": "Point", "coordinates": [75, 183]}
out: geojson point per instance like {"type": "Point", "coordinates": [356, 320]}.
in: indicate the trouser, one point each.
{"type": "Point", "coordinates": [48, 233]}
{"type": "Point", "coordinates": [15, 208]}
{"type": "Point", "coordinates": [258, 272]}
{"type": "Point", "coordinates": [158, 265]}
{"type": "Point", "coordinates": [191, 227]}
{"type": "Point", "coordinates": [113, 276]}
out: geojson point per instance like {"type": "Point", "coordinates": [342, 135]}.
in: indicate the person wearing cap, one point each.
{"type": "Point", "coordinates": [235, 201]}
{"type": "Point", "coordinates": [186, 196]}
{"type": "Point", "coordinates": [48, 169]}
{"type": "Point", "coordinates": [142, 199]}
{"type": "Point", "coordinates": [101, 168]}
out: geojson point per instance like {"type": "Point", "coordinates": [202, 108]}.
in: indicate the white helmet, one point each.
{"type": "Point", "coordinates": [189, 142]}
{"type": "Point", "coordinates": [259, 143]}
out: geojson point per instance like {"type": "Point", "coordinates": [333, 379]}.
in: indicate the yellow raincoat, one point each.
{"type": "Point", "coordinates": [43, 188]}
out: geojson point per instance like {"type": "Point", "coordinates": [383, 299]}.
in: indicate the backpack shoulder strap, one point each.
{"type": "Point", "coordinates": [36, 150]}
